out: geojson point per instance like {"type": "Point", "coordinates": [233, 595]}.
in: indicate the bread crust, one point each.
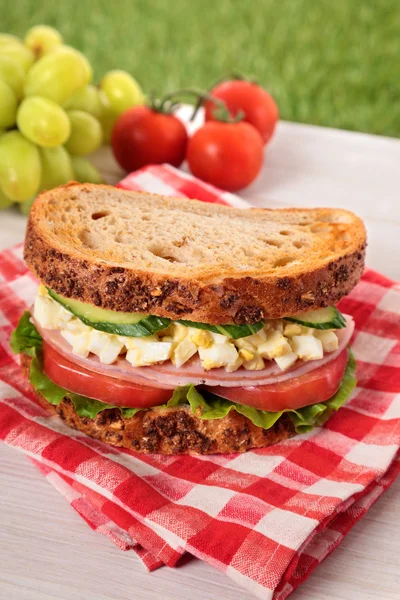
{"type": "Point", "coordinates": [169, 430]}
{"type": "Point", "coordinates": [219, 300]}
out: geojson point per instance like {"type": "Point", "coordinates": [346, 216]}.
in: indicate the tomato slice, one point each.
{"type": "Point", "coordinates": [79, 380]}
{"type": "Point", "coordinates": [316, 386]}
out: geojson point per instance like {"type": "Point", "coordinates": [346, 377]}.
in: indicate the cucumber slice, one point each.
{"type": "Point", "coordinates": [322, 318]}
{"type": "Point", "coordinates": [110, 321]}
{"type": "Point", "coordinates": [138, 324]}
{"type": "Point", "coordinates": [232, 331]}
{"type": "Point", "coordinates": [147, 326]}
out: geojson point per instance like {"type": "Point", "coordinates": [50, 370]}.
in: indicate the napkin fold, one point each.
{"type": "Point", "coordinates": [266, 518]}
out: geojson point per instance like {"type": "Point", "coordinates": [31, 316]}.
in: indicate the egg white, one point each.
{"type": "Point", "coordinates": [282, 342]}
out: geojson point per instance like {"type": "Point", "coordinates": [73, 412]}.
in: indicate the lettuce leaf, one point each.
{"type": "Point", "coordinates": [25, 338]}
{"type": "Point", "coordinates": [308, 417]}
{"type": "Point", "coordinates": [208, 406]}
{"type": "Point", "coordinates": [84, 407]}
{"type": "Point", "coordinates": [41, 383]}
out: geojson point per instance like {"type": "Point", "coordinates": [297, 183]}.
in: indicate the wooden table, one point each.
{"type": "Point", "coordinates": [48, 552]}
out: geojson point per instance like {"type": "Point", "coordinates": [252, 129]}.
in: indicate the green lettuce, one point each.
{"type": "Point", "coordinates": [208, 406]}
{"type": "Point", "coordinates": [205, 405]}
{"type": "Point", "coordinates": [41, 383]}
{"type": "Point", "coordinates": [84, 407]}
{"type": "Point", "coordinates": [25, 337]}
{"type": "Point", "coordinates": [306, 418]}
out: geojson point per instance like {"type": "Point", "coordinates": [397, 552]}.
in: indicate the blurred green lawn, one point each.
{"type": "Point", "coordinates": [333, 63]}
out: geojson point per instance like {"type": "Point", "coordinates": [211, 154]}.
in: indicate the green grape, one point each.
{"type": "Point", "coordinates": [43, 121]}
{"type": "Point", "coordinates": [6, 38]}
{"type": "Point", "coordinates": [17, 51]}
{"type": "Point", "coordinates": [25, 207]}
{"type": "Point", "coordinates": [56, 167]}
{"type": "Point", "coordinates": [13, 74]}
{"type": "Point", "coordinates": [58, 75]}
{"type": "Point", "coordinates": [86, 134]}
{"type": "Point", "coordinates": [85, 63]}
{"type": "Point", "coordinates": [122, 91]}
{"type": "Point", "coordinates": [8, 105]}
{"type": "Point", "coordinates": [20, 168]}
{"type": "Point", "coordinates": [42, 39]}
{"type": "Point", "coordinates": [86, 99]}
{"type": "Point", "coordinates": [108, 119]}
{"type": "Point", "coordinates": [5, 202]}
{"type": "Point", "coordinates": [84, 171]}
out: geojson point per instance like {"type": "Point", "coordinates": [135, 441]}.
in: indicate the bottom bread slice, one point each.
{"type": "Point", "coordinates": [174, 430]}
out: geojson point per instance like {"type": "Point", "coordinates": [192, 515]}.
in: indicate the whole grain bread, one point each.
{"type": "Point", "coordinates": [178, 258]}
{"type": "Point", "coordinates": [170, 430]}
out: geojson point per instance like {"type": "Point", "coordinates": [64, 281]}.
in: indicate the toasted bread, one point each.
{"type": "Point", "coordinates": [170, 430]}
{"type": "Point", "coordinates": [185, 259]}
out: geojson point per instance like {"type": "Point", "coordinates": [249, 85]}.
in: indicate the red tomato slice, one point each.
{"type": "Point", "coordinates": [317, 386]}
{"type": "Point", "coordinates": [79, 380]}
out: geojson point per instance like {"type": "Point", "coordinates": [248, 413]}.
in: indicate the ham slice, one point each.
{"type": "Point", "coordinates": [167, 376]}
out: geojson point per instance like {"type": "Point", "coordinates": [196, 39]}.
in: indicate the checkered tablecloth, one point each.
{"type": "Point", "coordinates": [266, 518]}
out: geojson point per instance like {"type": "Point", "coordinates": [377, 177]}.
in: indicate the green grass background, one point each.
{"type": "Point", "coordinates": [328, 62]}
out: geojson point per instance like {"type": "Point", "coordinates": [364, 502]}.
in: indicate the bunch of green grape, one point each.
{"type": "Point", "coordinates": [51, 115]}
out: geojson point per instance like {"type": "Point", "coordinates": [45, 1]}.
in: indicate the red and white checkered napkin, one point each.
{"type": "Point", "coordinates": [266, 518]}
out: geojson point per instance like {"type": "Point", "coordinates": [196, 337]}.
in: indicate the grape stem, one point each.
{"type": "Point", "coordinates": [168, 103]}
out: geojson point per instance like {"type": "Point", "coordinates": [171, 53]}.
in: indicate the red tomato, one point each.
{"type": "Point", "coordinates": [142, 136]}
{"type": "Point", "coordinates": [258, 106]}
{"type": "Point", "coordinates": [79, 380]}
{"type": "Point", "coordinates": [317, 386]}
{"type": "Point", "coordinates": [228, 155]}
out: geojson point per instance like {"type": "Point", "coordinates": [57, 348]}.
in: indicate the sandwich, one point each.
{"type": "Point", "coordinates": [174, 326]}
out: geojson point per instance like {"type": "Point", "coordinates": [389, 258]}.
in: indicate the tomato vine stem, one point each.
{"type": "Point", "coordinates": [169, 102]}
{"type": "Point", "coordinates": [221, 79]}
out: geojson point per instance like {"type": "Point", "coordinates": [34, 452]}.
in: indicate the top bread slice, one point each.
{"type": "Point", "coordinates": [185, 259]}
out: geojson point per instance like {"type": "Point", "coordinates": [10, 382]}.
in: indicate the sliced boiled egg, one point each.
{"type": "Point", "coordinates": [146, 351]}
{"type": "Point", "coordinates": [278, 340]}
{"type": "Point", "coordinates": [307, 347]}
{"type": "Point", "coordinates": [218, 355]}
{"type": "Point", "coordinates": [329, 339]}
{"type": "Point", "coordinates": [275, 345]}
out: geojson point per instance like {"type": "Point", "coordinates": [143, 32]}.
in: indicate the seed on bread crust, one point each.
{"type": "Point", "coordinates": [169, 430]}
{"type": "Point", "coordinates": [320, 259]}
